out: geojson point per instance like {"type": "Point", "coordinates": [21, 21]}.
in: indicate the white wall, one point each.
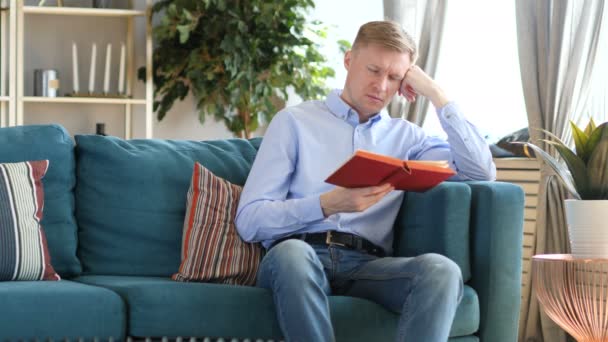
{"type": "Point", "coordinates": [48, 45]}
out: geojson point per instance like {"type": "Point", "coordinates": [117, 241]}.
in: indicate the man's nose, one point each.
{"type": "Point", "coordinates": [382, 83]}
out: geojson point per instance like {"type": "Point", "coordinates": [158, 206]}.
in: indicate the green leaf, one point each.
{"type": "Point", "coordinates": [184, 33]}
{"type": "Point", "coordinates": [560, 170]}
{"type": "Point", "coordinates": [597, 166]}
{"type": "Point", "coordinates": [552, 136]}
{"type": "Point", "coordinates": [187, 14]}
{"type": "Point", "coordinates": [242, 26]}
{"type": "Point", "coordinates": [344, 45]}
{"type": "Point", "coordinates": [577, 167]}
{"type": "Point", "coordinates": [594, 138]}
{"type": "Point", "coordinates": [590, 127]}
{"type": "Point", "coordinates": [221, 5]}
{"type": "Point", "coordinates": [580, 141]}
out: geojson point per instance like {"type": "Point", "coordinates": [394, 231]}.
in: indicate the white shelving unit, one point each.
{"type": "Point", "coordinates": [20, 14]}
{"type": "Point", "coordinates": [8, 28]}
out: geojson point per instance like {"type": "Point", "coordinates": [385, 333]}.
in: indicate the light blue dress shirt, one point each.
{"type": "Point", "coordinates": [305, 143]}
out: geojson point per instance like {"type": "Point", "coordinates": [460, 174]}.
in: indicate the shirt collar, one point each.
{"type": "Point", "coordinates": [336, 105]}
{"type": "Point", "coordinates": [342, 110]}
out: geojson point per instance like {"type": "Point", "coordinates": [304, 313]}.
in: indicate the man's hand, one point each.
{"type": "Point", "coordinates": [347, 200]}
{"type": "Point", "coordinates": [416, 81]}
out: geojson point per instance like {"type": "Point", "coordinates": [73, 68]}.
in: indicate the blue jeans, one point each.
{"type": "Point", "coordinates": [424, 290]}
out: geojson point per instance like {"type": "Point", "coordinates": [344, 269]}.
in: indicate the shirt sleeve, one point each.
{"type": "Point", "coordinates": [264, 211]}
{"type": "Point", "coordinates": [466, 149]}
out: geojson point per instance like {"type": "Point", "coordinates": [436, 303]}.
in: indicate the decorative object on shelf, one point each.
{"type": "Point", "coordinates": [121, 71]}
{"type": "Point", "coordinates": [102, 3]}
{"type": "Point", "coordinates": [238, 62]}
{"type": "Point", "coordinates": [106, 75]}
{"type": "Point", "coordinates": [100, 128]}
{"type": "Point", "coordinates": [46, 82]}
{"type": "Point", "coordinates": [92, 69]}
{"type": "Point", "coordinates": [75, 68]}
{"type": "Point", "coordinates": [585, 176]}
{"type": "Point", "coordinates": [106, 81]}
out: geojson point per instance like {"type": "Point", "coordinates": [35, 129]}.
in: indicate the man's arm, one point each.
{"type": "Point", "coordinates": [467, 150]}
{"type": "Point", "coordinates": [264, 212]}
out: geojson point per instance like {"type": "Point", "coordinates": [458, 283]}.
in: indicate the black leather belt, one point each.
{"type": "Point", "coordinates": [343, 239]}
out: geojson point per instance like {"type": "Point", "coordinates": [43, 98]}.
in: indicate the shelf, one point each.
{"type": "Point", "coordinates": [82, 11]}
{"type": "Point", "coordinates": [20, 17]}
{"type": "Point", "coordinates": [90, 100]}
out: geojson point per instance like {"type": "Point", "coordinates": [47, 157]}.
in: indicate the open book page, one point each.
{"type": "Point", "coordinates": [397, 161]}
{"type": "Point", "coordinates": [438, 163]}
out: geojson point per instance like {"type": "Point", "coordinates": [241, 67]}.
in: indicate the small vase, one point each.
{"type": "Point", "coordinates": [588, 228]}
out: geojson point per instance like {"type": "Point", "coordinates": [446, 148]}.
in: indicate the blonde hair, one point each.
{"type": "Point", "coordinates": [388, 34]}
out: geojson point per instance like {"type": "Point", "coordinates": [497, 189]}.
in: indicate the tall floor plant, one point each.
{"type": "Point", "coordinates": [238, 58]}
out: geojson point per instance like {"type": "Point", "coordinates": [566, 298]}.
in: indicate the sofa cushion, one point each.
{"type": "Point", "coordinates": [59, 310]}
{"type": "Point", "coordinates": [437, 221]}
{"type": "Point", "coordinates": [212, 250]}
{"type": "Point", "coordinates": [162, 307]}
{"type": "Point", "coordinates": [24, 254]}
{"type": "Point", "coordinates": [131, 198]}
{"type": "Point", "coordinates": [52, 143]}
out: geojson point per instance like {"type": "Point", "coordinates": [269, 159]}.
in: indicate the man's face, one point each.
{"type": "Point", "coordinates": [374, 74]}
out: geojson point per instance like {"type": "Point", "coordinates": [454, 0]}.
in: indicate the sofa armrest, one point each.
{"type": "Point", "coordinates": [436, 221]}
{"type": "Point", "coordinates": [496, 250]}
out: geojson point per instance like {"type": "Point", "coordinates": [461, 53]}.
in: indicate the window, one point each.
{"type": "Point", "coordinates": [597, 104]}
{"type": "Point", "coordinates": [479, 68]}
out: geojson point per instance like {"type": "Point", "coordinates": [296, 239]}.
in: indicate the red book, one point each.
{"type": "Point", "coordinates": [366, 168]}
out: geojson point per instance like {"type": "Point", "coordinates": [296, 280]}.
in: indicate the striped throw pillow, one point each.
{"type": "Point", "coordinates": [212, 250]}
{"type": "Point", "coordinates": [23, 249]}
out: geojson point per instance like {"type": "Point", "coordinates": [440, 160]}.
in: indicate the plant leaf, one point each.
{"type": "Point", "coordinates": [594, 138]}
{"type": "Point", "coordinates": [590, 127]}
{"type": "Point", "coordinates": [577, 167]}
{"type": "Point", "coordinates": [560, 170]}
{"type": "Point", "coordinates": [597, 167]}
{"type": "Point", "coordinates": [580, 141]}
{"type": "Point", "coordinates": [552, 136]}
{"type": "Point", "coordinates": [184, 33]}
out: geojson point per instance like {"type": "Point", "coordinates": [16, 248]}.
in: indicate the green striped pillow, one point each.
{"type": "Point", "coordinates": [23, 249]}
{"type": "Point", "coordinates": [212, 250]}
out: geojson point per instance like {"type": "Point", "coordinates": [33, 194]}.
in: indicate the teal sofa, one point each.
{"type": "Point", "coordinates": [113, 217]}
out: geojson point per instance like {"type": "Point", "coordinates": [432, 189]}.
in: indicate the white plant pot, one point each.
{"type": "Point", "coordinates": [588, 227]}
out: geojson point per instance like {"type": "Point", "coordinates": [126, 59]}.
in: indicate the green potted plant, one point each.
{"type": "Point", "coordinates": [237, 58]}
{"type": "Point", "coordinates": [584, 173]}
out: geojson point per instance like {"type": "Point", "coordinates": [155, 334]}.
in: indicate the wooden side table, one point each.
{"type": "Point", "coordinates": [574, 293]}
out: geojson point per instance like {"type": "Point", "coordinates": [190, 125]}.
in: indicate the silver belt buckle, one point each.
{"type": "Point", "coordinates": [329, 242]}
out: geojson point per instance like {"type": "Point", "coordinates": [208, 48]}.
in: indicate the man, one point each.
{"type": "Point", "coordinates": [326, 240]}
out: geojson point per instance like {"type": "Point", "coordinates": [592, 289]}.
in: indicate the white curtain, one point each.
{"type": "Point", "coordinates": [557, 42]}
{"type": "Point", "coordinates": [423, 19]}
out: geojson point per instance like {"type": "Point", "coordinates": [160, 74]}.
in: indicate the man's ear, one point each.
{"type": "Point", "coordinates": [347, 58]}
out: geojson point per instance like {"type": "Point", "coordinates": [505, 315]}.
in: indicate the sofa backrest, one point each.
{"type": "Point", "coordinates": [131, 198]}
{"type": "Point", "coordinates": [52, 142]}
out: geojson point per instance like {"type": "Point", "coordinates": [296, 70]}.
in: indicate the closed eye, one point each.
{"type": "Point", "coordinates": [373, 70]}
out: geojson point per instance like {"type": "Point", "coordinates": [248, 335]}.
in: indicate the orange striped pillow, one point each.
{"type": "Point", "coordinates": [24, 253]}
{"type": "Point", "coordinates": [212, 250]}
